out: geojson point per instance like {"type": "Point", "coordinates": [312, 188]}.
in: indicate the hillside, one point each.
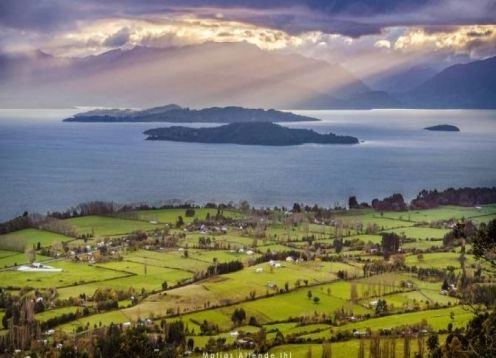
{"type": "Point", "coordinates": [256, 133]}
{"type": "Point", "coordinates": [206, 75]}
{"type": "Point", "coordinates": [471, 85]}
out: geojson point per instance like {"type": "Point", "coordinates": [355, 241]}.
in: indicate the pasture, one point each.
{"type": "Point", "coordinates": [306, 300]}
{"type": "Point", "coordinates": [170, 216]}
{"type": "Point", "coordinates": [13, 258]}
{"type": "Point", "coordinates": [22, 239]}
{"type": "Point", "coordinates": [100, 226]}
{"type": "Point", "coordinates": [423, 233]}
{"type": "Point", "coordinates": [72, 274]}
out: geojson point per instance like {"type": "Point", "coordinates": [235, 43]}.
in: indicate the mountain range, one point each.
{"type": "Point", "coordinates": [228, 74]}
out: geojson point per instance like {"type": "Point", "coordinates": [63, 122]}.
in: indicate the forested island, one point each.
{"type": "Point", "coordinates": [176, 114]}
{"type": "Point", "coordinates": [248, 133]}
{"type": "Point", "coordinates": [443, 128]}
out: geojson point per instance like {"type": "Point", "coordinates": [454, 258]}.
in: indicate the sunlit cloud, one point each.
{"type": "Point", "coordinates": [474, 40]}
{"type": "Point", "coordinates": [382, 44]}
{"type": "Point", "coordinates": [384, 49]}
{"type": "Point", "coordinates": [104, 35]}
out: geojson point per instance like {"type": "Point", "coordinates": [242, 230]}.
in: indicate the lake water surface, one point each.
{"type": "Point", "coordinates": [49, 165]}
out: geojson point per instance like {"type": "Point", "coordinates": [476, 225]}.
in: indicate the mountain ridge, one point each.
{"type": "Point", "coordinates": [470, 85]}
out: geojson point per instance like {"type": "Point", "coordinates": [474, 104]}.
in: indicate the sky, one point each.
{"type": "Point", "coordinates": [367, 37]}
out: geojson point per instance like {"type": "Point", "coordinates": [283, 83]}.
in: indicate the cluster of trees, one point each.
{"type": "Point", "coordinates": [18, 223]}
{"type": "Point", "coordinates": [427, 199]}
{"type": "Point", "coordinates": [394, 202]}
{"type": "Point", "coordinates": [115, 341]}
{"type": "Point", "coordinates": [379, 267]}
{"type": "Point", "coordinates": [238, 316]}
{"type": "Point", "coordinates": [463, 230]}
{"type": "Point", "coordinates": [224, 267]}
{"type": "Point", "coordinates": [89, 208]}
{"type": "Point", "coordinates": [484, 243]}
{"type": "Point", "coordinates": [353, 203]}
{"type": "Point", "coordinates": [209, 328]}
{"type": "Point", "coordinates": [381, 308]}
{"type": "Point", "coordinates": [56, 321]}
{"type": "Point", "coordinates": [279, 256]}
{"type": "Point", "coordinates": [391, 243]}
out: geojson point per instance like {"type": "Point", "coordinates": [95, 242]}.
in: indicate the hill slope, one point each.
{"type": "Point", "coordinates": [471, 85]}
{"type": "Point", "coordinates": [206, 75]}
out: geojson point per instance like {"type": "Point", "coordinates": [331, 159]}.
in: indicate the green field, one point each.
{"type": "Point", "coordinates": [436, 319]}
{"type": "Point", "coordinates": [169, 216]}
{"type": "Point", "coordinates": [172, 259]}
{"type": "Point", "coordinates": [420, 232]}
{"type": "Point", "coordinates": [46, 315]}
{"type": "Point", "coordinates": [373, 218]}
{"type": "Point", "coordinates": [12, 258]}
{"type": "Point", "coordinates": [106, 318]}
{"type": "Point", "coordinates": [445, 213]}
{"type": "Point", "coordinates": [73, 274]}
{"type": "Point", "coordinates": [19, 240]}
{"type": "Point", "coordinates": [306, 300]}
{"type": "Point", "coordinates": [439, 260]}
{"type": "Point", "coordinates": [102, 226]}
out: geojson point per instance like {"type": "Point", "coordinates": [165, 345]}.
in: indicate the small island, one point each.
{"type": "Point", "coordinates": [443, 128]}
{"type": "Point", "coordinates": [247, 133]}
{"type": "Point", "coordinates": [175, 114]}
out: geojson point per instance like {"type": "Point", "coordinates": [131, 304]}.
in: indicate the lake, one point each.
{"type": "Point", "coordinates": [49, 165]}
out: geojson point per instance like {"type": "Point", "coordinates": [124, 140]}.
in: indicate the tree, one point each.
{"type": "Point", "coordinates": [381, 308]}
{"type": "Point", "coordinates": [390, 244]}
{"type": "Point", "coordinates": [353, 292]}
{"type": "Point", "coordinates": [353, 203]}
{"type": "Point", "coordinates": [309, 294]}
{"type": "Point", "coordinates": [484, 243]}
{"type": "Point", "coordinates": [190, 212]}
{"type": "Point", "coordinates": [238, 316]}
{"type": "Point", "coordinates": [326, 350]}
{"type": "Point", "coordinates": [481, 334]}
{"type": "Point", "coordinates": [279, 339]}
{"type": "Point", "coordinates": [191, 344]}
{"type": "Point", "coordinates": [30, 254]}
{"type": "Point", "coordinates": [164, 285]}
{"type": "Point", "coordinates": [180, 221]}
{"type": "Point", "coordinates": [296, 208]}
{"type": "Point", "coordinates": [433, 342]}
{"type": "Point", "coordinates": [244, 206]}
{"type": "Point", "coordinates": [316, 300]}
{"type": "Point", "coordinates": [338, 245]}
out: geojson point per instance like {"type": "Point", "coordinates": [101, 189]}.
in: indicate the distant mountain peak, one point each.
{"type": "Point", "coordinates": [470, 85]}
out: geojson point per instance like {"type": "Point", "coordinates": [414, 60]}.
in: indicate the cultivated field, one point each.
{"type": "Point", "coordinates": [284, 271]}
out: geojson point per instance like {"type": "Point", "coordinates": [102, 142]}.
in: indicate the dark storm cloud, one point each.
{"type": "Point", "coordinates": [349, 17]}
